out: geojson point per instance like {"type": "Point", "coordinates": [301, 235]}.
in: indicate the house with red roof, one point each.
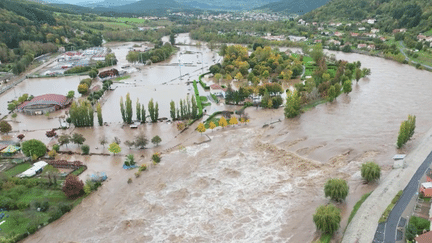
{"type": "Point", "coordinates": [44, 103]}
{"type": "Point", "coordinates": [424, 238]}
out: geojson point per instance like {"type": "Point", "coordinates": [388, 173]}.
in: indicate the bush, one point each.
{"type": "Point", "coordinates": [85, 149]}
{"type": "Point", "coordinates": [44, 206]}
{"type": "Point", "coordinates": [137, 174]}
{"type": "Point", "coordinates": [77, 70]}
{"type": "Point", "coordinates": [22, 205]}
{"type": "Point", "coordinates": [56, 147]}
{"type": "Point", "coordinates": [327, 218]}
{"type": "Point", "coordinates": [129, 181]}
{"type": "Point", "coordinates": [142, 168]}
{"type": "Point", "coordinates": [87, 189]}
{"type": "Point", "coordinates": [52, 154]}
{"type": "Point", "coordinates": [156, 157]}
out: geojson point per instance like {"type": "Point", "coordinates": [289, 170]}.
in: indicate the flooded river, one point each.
{"type": "Point", "coordinates": [249, 184]}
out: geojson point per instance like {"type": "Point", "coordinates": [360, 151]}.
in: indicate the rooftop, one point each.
{"type": "Point", "coordinates": [424, 238]}
{"type": "Point", "coordinates": [47, 99]}
{"type": "Point", "coordinates": [427, 185]}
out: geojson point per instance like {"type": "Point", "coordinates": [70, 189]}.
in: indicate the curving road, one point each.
{"type": "Point", "coordinates": [407, 58]}
{"type": "Point", "coordinates": [408, 193]}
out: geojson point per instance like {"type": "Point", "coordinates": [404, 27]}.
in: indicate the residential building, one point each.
{"type": "Point", "coordinates": [353, 34]}
{"type": "Point", "coordinates": [426, 189]}
{"type": "Point", "coordinates": [361, 46]}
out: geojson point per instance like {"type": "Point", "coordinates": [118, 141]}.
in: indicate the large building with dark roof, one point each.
{"type": "Point", "coordinates": [44, 103]}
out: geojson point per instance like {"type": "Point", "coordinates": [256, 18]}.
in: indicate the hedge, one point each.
{"type": "Point", "coordinates": [198, 100]}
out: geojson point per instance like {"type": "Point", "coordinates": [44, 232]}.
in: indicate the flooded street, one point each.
{"type": "Point", "coordinates": [248, 184]}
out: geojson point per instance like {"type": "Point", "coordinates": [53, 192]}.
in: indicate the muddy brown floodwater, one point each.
{"type": "Point", "coordinates": [254, 184]}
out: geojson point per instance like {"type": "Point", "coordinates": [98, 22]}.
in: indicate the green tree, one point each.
{"type": "Point", "coordinates": [141, 141]}
{"type": "Point", "coordinates": [5, 127]}
{"type": "Point", "coordinates": [82, 114]}
{"type": "Point", "coordinates": [138, 110]}
{"type": "Point", "coordinates": [317, 53]}
{"type": "Point", "coordinates": [50, 172]}
{"type": "Point", "coordinates": [78, 138]}
{"type": "Point", "coordinates": [99, 114]}
{"type": "Point", "coordinates": [331, 95]}
{"type": "Point", "coordinates": [327, 218]}
{"type": "Point", "coordinates": [114, 148]}
{"type": "Point", "coordinates": [194, 108]}
{"type": "Point", "coordinates": [83, 89]}
{"type": "Point", "coordinates": [85, 149]}
{"type": "Point", "coordinates": [128, 109]}
{"type": "Point", "coordinates": [172, 110]}
{"type": "Point", "coordinates": [143, 114]}
{"type": "Point", "coordinates": [406, 131]}
{"type": "Point", "coordinates": [64, 139]}
{"type": "Point", "coordinates": [370, 171]}
{"type": "Point", "coordinates": [410, 232]}
{"type": "Point", "coordinates": [33, 147]}
{"type": "Point", "coordinates": [156, 114]}
{"type": "Point", "coordinates": [93, 74]}
{"type": "Point", "coordinates": [358, 74]}
{"type": "Point", "coordinates": [156, 140]}
{"type": "Point", "coordinates": [292, 106]}
{"type": "Point", "coordinates": [336, 189]}
{"type": "Point", "coordinates": [347, 87]}
{"type": "Point", "coordinates": [122, 109]}
{"type": "Point", "coordinates": [172, 39]}
{"type": "Point", "coordinates": [151, 109]}
{"type": "Point", "coordinates": [70, 94]}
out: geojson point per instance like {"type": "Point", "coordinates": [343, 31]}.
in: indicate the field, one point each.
{"type": "Point", "coordinates": [17, 169]}
{"type": "Point", "coordinates": [29, 203]}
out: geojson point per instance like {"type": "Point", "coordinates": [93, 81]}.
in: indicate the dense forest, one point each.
{"type": "Point", "coordinates": [294, 6]}
{"type": "Point", "coordinates": [390, 14]}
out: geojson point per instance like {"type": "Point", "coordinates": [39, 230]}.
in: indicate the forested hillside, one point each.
{"type": "Point", "coordinates": [390, 14]}
{"type": "Point", "coordinates": [29, 29]}
{"type": "Point", "coordinates": [294, 6]}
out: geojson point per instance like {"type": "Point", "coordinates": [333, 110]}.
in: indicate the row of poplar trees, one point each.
{"type": "Point", "coordinates": [126, 109]}
{"type": "Point", "coordinates": [186, 110]}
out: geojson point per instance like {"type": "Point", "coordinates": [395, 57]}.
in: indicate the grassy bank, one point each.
{"type": "Point", "coordinates": [356, 207]}
{"type": "Point", "coordinates": [389, 208]}
{"type": "Point", "coordinates": [17, 169]}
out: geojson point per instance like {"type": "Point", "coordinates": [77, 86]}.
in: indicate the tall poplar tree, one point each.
{"type": "Point", "coordinates": [122, 109]}
{"type": "Point", "coordinates": [129, 110]}
{"type": "Point", "coordinates": [151, 110]}
{"type": "Point", "coordinates": [99, 114]}
{"type": "Point", "coordinates": [138, 110]}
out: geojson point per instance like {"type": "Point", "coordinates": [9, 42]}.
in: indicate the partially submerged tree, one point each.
{"type": "Point", "coordinates": [327, 218]}
{"type": "Point", "coordinates": [337, 189]}
{"type": "Point", "coordinates": [141, 141]}
{"type": "Point", "coordinates": [5, 127]}
{"type": "Point", "coordinates": [370, 171]}
{"type": "Point", "coordinates": [114, 148]}
{"type": "Point", "coordinates": [156, 140]}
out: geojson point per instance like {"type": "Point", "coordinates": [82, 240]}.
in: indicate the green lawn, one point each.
{"type": "Point", "coordinates": [18, 169]}
{"type": "Point", "coordinates": [132, 20]}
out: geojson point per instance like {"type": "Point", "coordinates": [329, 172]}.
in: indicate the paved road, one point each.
{"type": "Point", "coordinates": [408, 59]}
{"type": "Point", "coordinates": [408, 193]}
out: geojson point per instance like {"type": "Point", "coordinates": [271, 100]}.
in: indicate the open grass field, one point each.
{"type": "Point", "coordinates": [110, 25]}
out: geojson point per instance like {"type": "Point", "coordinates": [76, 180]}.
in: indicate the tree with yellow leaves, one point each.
{"type": "Point", "coordinates": [239, 76]}
{"type": "Point", "coordinates": [212, 125]}
{"type": "Point", "coordinates": [222, 122]}
{"type": "Point", "coordinates": [201, 128]}
{"type": "Point", "coordinates": [233, 120]}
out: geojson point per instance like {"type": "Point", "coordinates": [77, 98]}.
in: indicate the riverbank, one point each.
{"type": "Point", "coordinates": [364, 224]}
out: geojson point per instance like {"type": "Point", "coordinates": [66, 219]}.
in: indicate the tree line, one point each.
{"type": "Point", "coordinates": [126, 109]}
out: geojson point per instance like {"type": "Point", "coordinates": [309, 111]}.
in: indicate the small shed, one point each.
{"type": "Point", "coordinates": [36, 168]}
{"type": "Point", "coordinates": [426, 189]}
